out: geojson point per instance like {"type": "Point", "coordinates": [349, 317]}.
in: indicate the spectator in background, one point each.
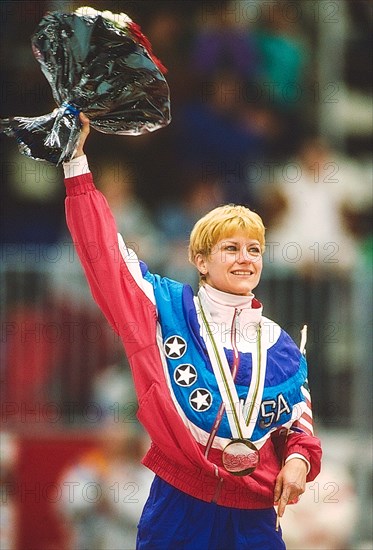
{"type": "Point", "coordinates": [201, 193]}
{"type": "Point", "coordinates": [284, 54]}
{"type": "Point", "coordinates": [30, 192]}
{"type": "Point", "coordinates": [219, 129]}
{"type": "Point", "coordinates": [171, 32]}
{"type": "Point", "coordinates": [223, 40]}
{"type": "Point", "coordinates": [107, 518]}
{"type": "Point", "coordinates": [9, 456]}
{"type": "Point", "coordinates": [223, 134]}
{"type": "Point", "coordinates": [284, 69]}
{"type": "Point", "coordinates": [317, 192]}
{"type": "Point", "coordinates": [117, 180]}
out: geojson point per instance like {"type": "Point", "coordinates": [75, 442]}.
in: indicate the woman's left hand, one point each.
{"type": "Point", "coordinates": [290, 483]}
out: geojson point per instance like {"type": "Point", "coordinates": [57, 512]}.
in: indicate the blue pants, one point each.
{"type": "Point", "coordinates": [173, 520]}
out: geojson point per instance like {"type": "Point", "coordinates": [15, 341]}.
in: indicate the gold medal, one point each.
{"type": "Point", "coordinates": [240, 457]}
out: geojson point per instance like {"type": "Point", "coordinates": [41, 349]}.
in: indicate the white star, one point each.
{"type": "Point", "coordinates": [185, 375]}
{"type": "Point", "coordinates": [176, 347]}
{"type": "Point", "coordinates": [201, 400]}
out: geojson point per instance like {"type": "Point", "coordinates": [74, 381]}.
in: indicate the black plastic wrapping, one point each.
{"type": "Point", "coordinates": [94, 66]}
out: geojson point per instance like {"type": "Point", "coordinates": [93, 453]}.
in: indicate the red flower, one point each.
{"type": "Point", "coordinates": [144, 41]}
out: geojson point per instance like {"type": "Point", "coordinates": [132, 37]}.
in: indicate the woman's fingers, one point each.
{"type": "Point", "coordinates": [290, 483]}
{"type": "Point", "coordinates": [85, 129]}
{"type": "Point", "coordinates": [84, 120]}
{"type": "Point", "coordinates": [289, 493]}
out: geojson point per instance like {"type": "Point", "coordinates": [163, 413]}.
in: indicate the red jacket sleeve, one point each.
{"type": "Point", "coordinates": [299, 439]}
{"type": "Point", "coordinates": [94, 233]}
{"type": "Point", "coordinates": [307, 445]}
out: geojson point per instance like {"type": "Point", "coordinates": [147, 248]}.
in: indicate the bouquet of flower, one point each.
{"type": "Point", "coordinates": [99, 63]}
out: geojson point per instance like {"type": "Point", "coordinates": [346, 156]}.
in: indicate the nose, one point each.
{"type": "Point", "coordinates": [244, 255]}
{"type": "Point", "coordinates": [247, 256]}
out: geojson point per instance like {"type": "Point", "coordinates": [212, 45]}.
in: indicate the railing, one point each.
{"type": "Point", "coordinates": [55, 342]}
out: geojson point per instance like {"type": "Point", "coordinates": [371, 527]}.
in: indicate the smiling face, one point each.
{"type": "Point", "coordinates": [234, 264]}
{"type": "Point", "coordinates": [226, 246]}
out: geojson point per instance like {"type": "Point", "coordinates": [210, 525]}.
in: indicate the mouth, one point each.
{"type": "Point", "coordinates": [242, 273]}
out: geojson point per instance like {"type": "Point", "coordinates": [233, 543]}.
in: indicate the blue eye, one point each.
{"type": "Point", "coordinates": [230, 248]}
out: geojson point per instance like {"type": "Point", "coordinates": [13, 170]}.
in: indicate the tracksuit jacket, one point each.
{"type": "Point", "coordinates": [164, 339]}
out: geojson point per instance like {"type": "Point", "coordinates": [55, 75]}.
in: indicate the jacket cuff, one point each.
{"type": "Point", "coordinates": [79, 185]}
{"type": "Point", "coordinates": [302, 457]}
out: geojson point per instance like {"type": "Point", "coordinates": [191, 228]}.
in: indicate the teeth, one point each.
{"type": "Point", "coordinates": [242, 272]}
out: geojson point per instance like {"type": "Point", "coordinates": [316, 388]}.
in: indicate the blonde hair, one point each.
{"type": "Point", "coordinates": [222, 222]}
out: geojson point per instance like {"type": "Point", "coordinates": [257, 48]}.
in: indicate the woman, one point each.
{"type": "Point", "coordinates": [222, 390]}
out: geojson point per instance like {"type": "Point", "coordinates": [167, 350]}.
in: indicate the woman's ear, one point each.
{"type": "Point", "coordinates": [200, 263]}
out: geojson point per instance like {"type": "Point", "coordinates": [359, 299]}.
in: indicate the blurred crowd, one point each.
{"type": "Point", "coordinates": [245, 101]}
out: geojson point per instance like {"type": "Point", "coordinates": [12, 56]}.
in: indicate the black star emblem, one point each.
{"type": "Point", "coordinates": [185, 375]}
{"type": "Point", "coordinates": [200, 400]}
{"type": "Point", "coordinates": [175, 347]}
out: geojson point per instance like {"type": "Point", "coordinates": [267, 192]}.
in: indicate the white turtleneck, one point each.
{"type": "Point", "coordinates": [227, 299]}
{"type": "Point", "coordinates": [224, 308]}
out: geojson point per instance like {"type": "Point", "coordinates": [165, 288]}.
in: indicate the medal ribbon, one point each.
{"type": "Point", "coordinates": [241, 427]}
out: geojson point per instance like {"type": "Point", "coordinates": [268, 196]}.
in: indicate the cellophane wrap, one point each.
{"type": "Point", "coordinates": [99, 66]}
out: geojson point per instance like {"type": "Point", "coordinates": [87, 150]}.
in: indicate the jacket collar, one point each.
{"type": "Point", "coordinates": [223, 306]}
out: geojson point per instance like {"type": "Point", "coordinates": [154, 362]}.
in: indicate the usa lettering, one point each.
{"type": "Point", "coordinates": [272, 409]}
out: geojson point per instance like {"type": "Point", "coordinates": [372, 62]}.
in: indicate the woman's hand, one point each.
{"type": "Point", "coordinates": [83, 135]}
{"type": "Point", "coordinates": [290, 483]}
